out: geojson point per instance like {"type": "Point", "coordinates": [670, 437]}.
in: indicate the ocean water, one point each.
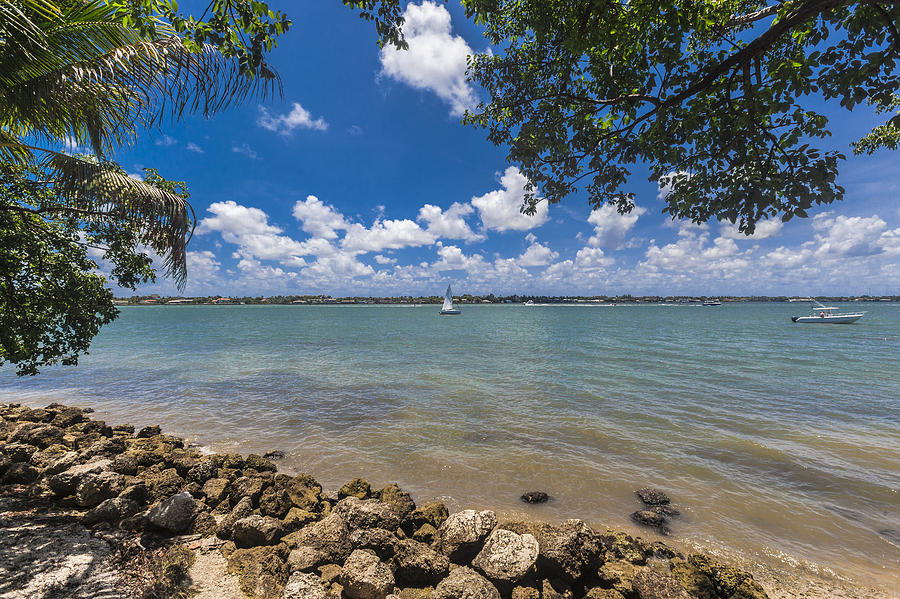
{"type": "Point", "coordinates": [780, 443]}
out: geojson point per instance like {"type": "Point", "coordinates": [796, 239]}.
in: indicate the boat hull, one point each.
{"type": "Point", "coordinates": [449, 312]}
{"type": "Point", "coordinates": [842, 319]}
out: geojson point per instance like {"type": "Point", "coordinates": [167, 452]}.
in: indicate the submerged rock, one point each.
{"type": "Point", "coordinates": [652, 496]}
{"type": "Point", "coordinates": [275, 454]}
{"type": "Point", "coordinates": [535, 497]}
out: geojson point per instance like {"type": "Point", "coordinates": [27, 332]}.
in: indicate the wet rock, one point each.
{"type": "Point", "coordinates": [275, 502]}
{"type": "Point", "coordinates": [92, 427]}
{"type": "Point", "coordinates": [397, 498]}
{"type": "Point", "coordinates": [384, 543]}
{"type": "Point", "coordinates": [433, 513]}
{"type": "Point", "coordinates": [568, 550]}
{"type": "Point", "coordinates": [262, 571]}
{"type": "Point", "coordinates": [123, 429]}
{"type": "Point", "coordinates": [304, 491]}
{"type": "Point", "coordinates": [419, 564]}
{"type": "Point", "coordinates": [465, 583]}
{"type": "Point", "coordinates": [111, 510]}
{"type": "Point", "coordinates": [303, 585]}
{"type": "Point", "coordinates": [692, 579]}
{"type": "Point", "coordinates": [618, 575]}
{"type": "Point", "coordinates": [355, 488]}
{"type": "Point", "coordinates": [66, 481]}
{"type": "Point", "coordinates": [257, 530]}
{"type": "Point", "coordinates": [20, 474]}
{"type": "Point", "coordinates": [174, 514]}
{"type": "Point", "coordinates": [39, 435]}
{"type": "Point", "coordinates": [275, 454]}
{"type": "Point", "coordinates": [667, 511]}
{"type": "Point", "coordinates": [652, 496]}
{"type": "Point", "coordinates": [651, 584]}
{"type": "Point", "coordinates": [619, 545]}
{"type": "Point", "coordinates": [259, 463]}
{"type": "Point", "coordinates": [461, 535]}
{"type": "Point", "coordinates": [726, 579]}
{"type": "Point", "coordinates": [507, 557]}
{"type": "Point", "coordinates": [96, 487]}
{"type": "Point", "coordinates": [149, 431]}
{"type": "Point", "coordinates": [364, 576]}
{"type": "Point", "coordinates": [535, 497]}
{"type": "Point", "coordinates": [649, 518]}
{"type": "Point", "coordinates": [369, 513]}
{"type": "Point", "coordinates": [18, 452]}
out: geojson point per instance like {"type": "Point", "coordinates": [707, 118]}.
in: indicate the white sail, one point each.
{"type": "Point", "coordinates": [448, 300]}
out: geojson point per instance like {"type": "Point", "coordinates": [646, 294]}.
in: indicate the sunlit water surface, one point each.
{"type": "Point", "coordinates": [777, 441]}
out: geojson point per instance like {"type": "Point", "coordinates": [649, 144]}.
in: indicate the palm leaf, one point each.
{"type": "Point", "coordinates": [101, 191]}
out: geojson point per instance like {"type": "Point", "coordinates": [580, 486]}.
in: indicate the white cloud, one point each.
{"type": "Point", "coordinates": [453, 258]}
{"type": "Point", "coordinates": [589, 258]}
{"type": "Point", "coordinates": [764, 230]}
{"type": "Point", "coordinates": [537, 254]}
{"type": "Point", "coordinates": [286, 123]}
{"type": "Point", "coordinates": [319, 219]}
{"type": "Point", "coordinates": [611, 228]}
{"type": "Point", "coordinates": [435, 60]}
{"type": "Point", "coordinates": [384, 259]}
{"type": "Point", "coordinates": [450, 224]}
{"type": "Point", "coordinates": [166, 141]}
{"type": "Point", "coordinates": [500, 209]}
{"type": "Point", "coordinates": [854, 236]}
{"type": "Point", "coordinates": [246, 150]}
{"type": "Point", "coordinates": [248, 228]}
{"type": "Point", "coordinates": [191, 146]}
{"type": "Point", "coordinates": [386, 234]}
{"type": "Point", "coordinates": [202, 267]}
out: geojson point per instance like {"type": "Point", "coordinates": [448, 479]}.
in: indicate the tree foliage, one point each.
{"type": "Point", "coordinates": [712, 95]}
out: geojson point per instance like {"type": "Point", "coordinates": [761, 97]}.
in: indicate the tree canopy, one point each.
{"type": "Point", "coordinates": [712, 95]}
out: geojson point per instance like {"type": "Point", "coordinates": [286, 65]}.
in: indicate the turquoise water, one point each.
{"type": "Point", "coordinates": [776, 440]}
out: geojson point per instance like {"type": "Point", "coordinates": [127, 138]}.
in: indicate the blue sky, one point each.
{"type": "Point", "coordinates": [362, 181]}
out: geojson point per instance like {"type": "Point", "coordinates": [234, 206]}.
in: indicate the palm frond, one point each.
{"type": "Point", "coordinates": [101, 191]}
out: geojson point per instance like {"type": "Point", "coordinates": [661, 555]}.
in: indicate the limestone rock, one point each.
{"type": "Point", "coordinates": [61, 463]}
{"type": "Point", "coordinates": [461, 535]}
{"type": "Point", "coordinates": [556, 589]}
{"type": "Point", "coordinates": [149, 431]}
{"type": "Point", "coordinates": [369, 513]}
{"type": "Point", "coordinates": [175, 514]}
{"type": "Point", "coordinates": [162, 484]}
{"type": "Point", "coordinates": [66, 481]}
{"type": "Point", "coordinates": [214, 490]}
{"type": "Point", "coordinates": [330, 536]}
{"type": "Point", "coordinates": [418, 563]}
{"type": "Point", "coordinates": [262, 572]}
{"type": "Point", "coordinates": [243, 509]}
{"type": "Point", "coordinates": [111, 510]}
{"type": "Point", "coordinates": [20, 474]}
{"type": "Point", "coordinates": [601, 593]}
{"type": "Point", "coordinates": [303, 585]}
{"type": "Point", "coordinates": [39, 435]}
{"type": "Point", "coordinates": [465, 583]}
{"type": "Point", "coordinates": [507, 556]}
{"type": "Point", "coordinates": [692, 579]}
{"type": "Point", "coordinates": [355, 488]}
{"type": "Point", "coordinates": [275, 502]}
{"type": "Point", "coordinates": [96, 487]}
{"type": "Point", "coordinates": [247, 486]}
{"type": "Point", "coordinates": [257, 530]}
{"type": "Point", "coordinates": [618, 575]}
{"type": "Point", "coordinates": [619, 545]}
{"type": "Point", "coordinates": [304, 491]}
{"type": "Point", "coordinates": [383, 542]}
{"type": "Point", "coordinates": [535, 497]}
{"type": "Point", "coordinates": [364, 576]}
{"type": "Point", "coordinates": [18, 452]}
{"type": "Point", "coordinates": [568, 550]}
{"type": "Point", "coordinates": [650, 584]}
{"type": "Point", "coordinates": [433, 513]}
{"type": "Point", "coordinates": [401, 501]}
{"type": "Point", "coordinates": [425, 534]}
{"type": "Point", "coordinates": [259, 463]}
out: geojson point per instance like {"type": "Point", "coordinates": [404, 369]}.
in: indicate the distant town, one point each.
{"type": "Point", "coordinates": [307, 300]}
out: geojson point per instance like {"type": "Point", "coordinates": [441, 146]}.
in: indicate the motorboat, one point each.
{"type": "Point", "coordinates": [712, 302]}
{"type": "Point", "coordinates": [823, 314]}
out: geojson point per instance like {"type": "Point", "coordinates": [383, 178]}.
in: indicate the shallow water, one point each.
{"type": "Point", "coordinates": [778, 441]}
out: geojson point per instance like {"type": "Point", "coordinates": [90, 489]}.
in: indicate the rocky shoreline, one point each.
{"type": "Point", "coordinates": [283, 537]}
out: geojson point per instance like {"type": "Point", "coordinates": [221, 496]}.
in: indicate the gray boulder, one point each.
{"type": "Point", "coordinates": [461, 535]}
{"type": "Point", "coordinates": [243, 509]}
{"type": "Point", "coordinates": [418, 564]}
{"type": "Point", "coordinates": [465, 583]}
{"type": "Point", "coordinates": [330, 536]}
{"type": "Point", "coordinates": [111, 510]}
{"type": "Point", "coordinates": [507, 556]}
{"type": "Point", "coordinates": [568, 550]}
{"type": "Point", "coordinates": [369, 513]}
{"type": "Point", "coordinates": [61, 463]}
{"type": "Point", "coordinates": [257, 530]}
{"type": "Point", "coordinates": [364, 576]}
{"type": "Point", "coordinates": [98, 486]}
{"type": "Point", "coordinates": [302, 585]}
{"type": "Point", "coordinates": [67, 481]}
{"type": "Point", "coordinates": [174, 514]}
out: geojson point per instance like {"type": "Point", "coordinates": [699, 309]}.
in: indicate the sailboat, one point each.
{"type": "Point", "coordinates": [447, 309]}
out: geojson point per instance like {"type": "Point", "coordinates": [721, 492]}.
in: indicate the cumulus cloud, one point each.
{"type": "Point", "coordinates": [589, 258]}
{"type": "Point", "coordinates": [249, 229]}
{"type": "Point", "coordinates": [385, 234]}
{"type": "Point", "coordinates": [202, 266]}
{"type": "Point", "coordinates": [611, 228]}
{"type": "Point", "coordinates": [537, 254]}
{"type": "Point", "coordinates": [500, 209]}
{"type": "Point", "coordinates": [435, 60]}
{"type": "Point", "coordinates": [319, 219]}
{"type": "Point", "coordinates": [285, 124]}
{"type": "Point", "coordinates": [450, 224]}
{"type": "Point", "coordinates": [384, 259]}
{"type": "Point", "coordinates": [764, 230]}
{"type": "Point", "coordinates": [853, 236]}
